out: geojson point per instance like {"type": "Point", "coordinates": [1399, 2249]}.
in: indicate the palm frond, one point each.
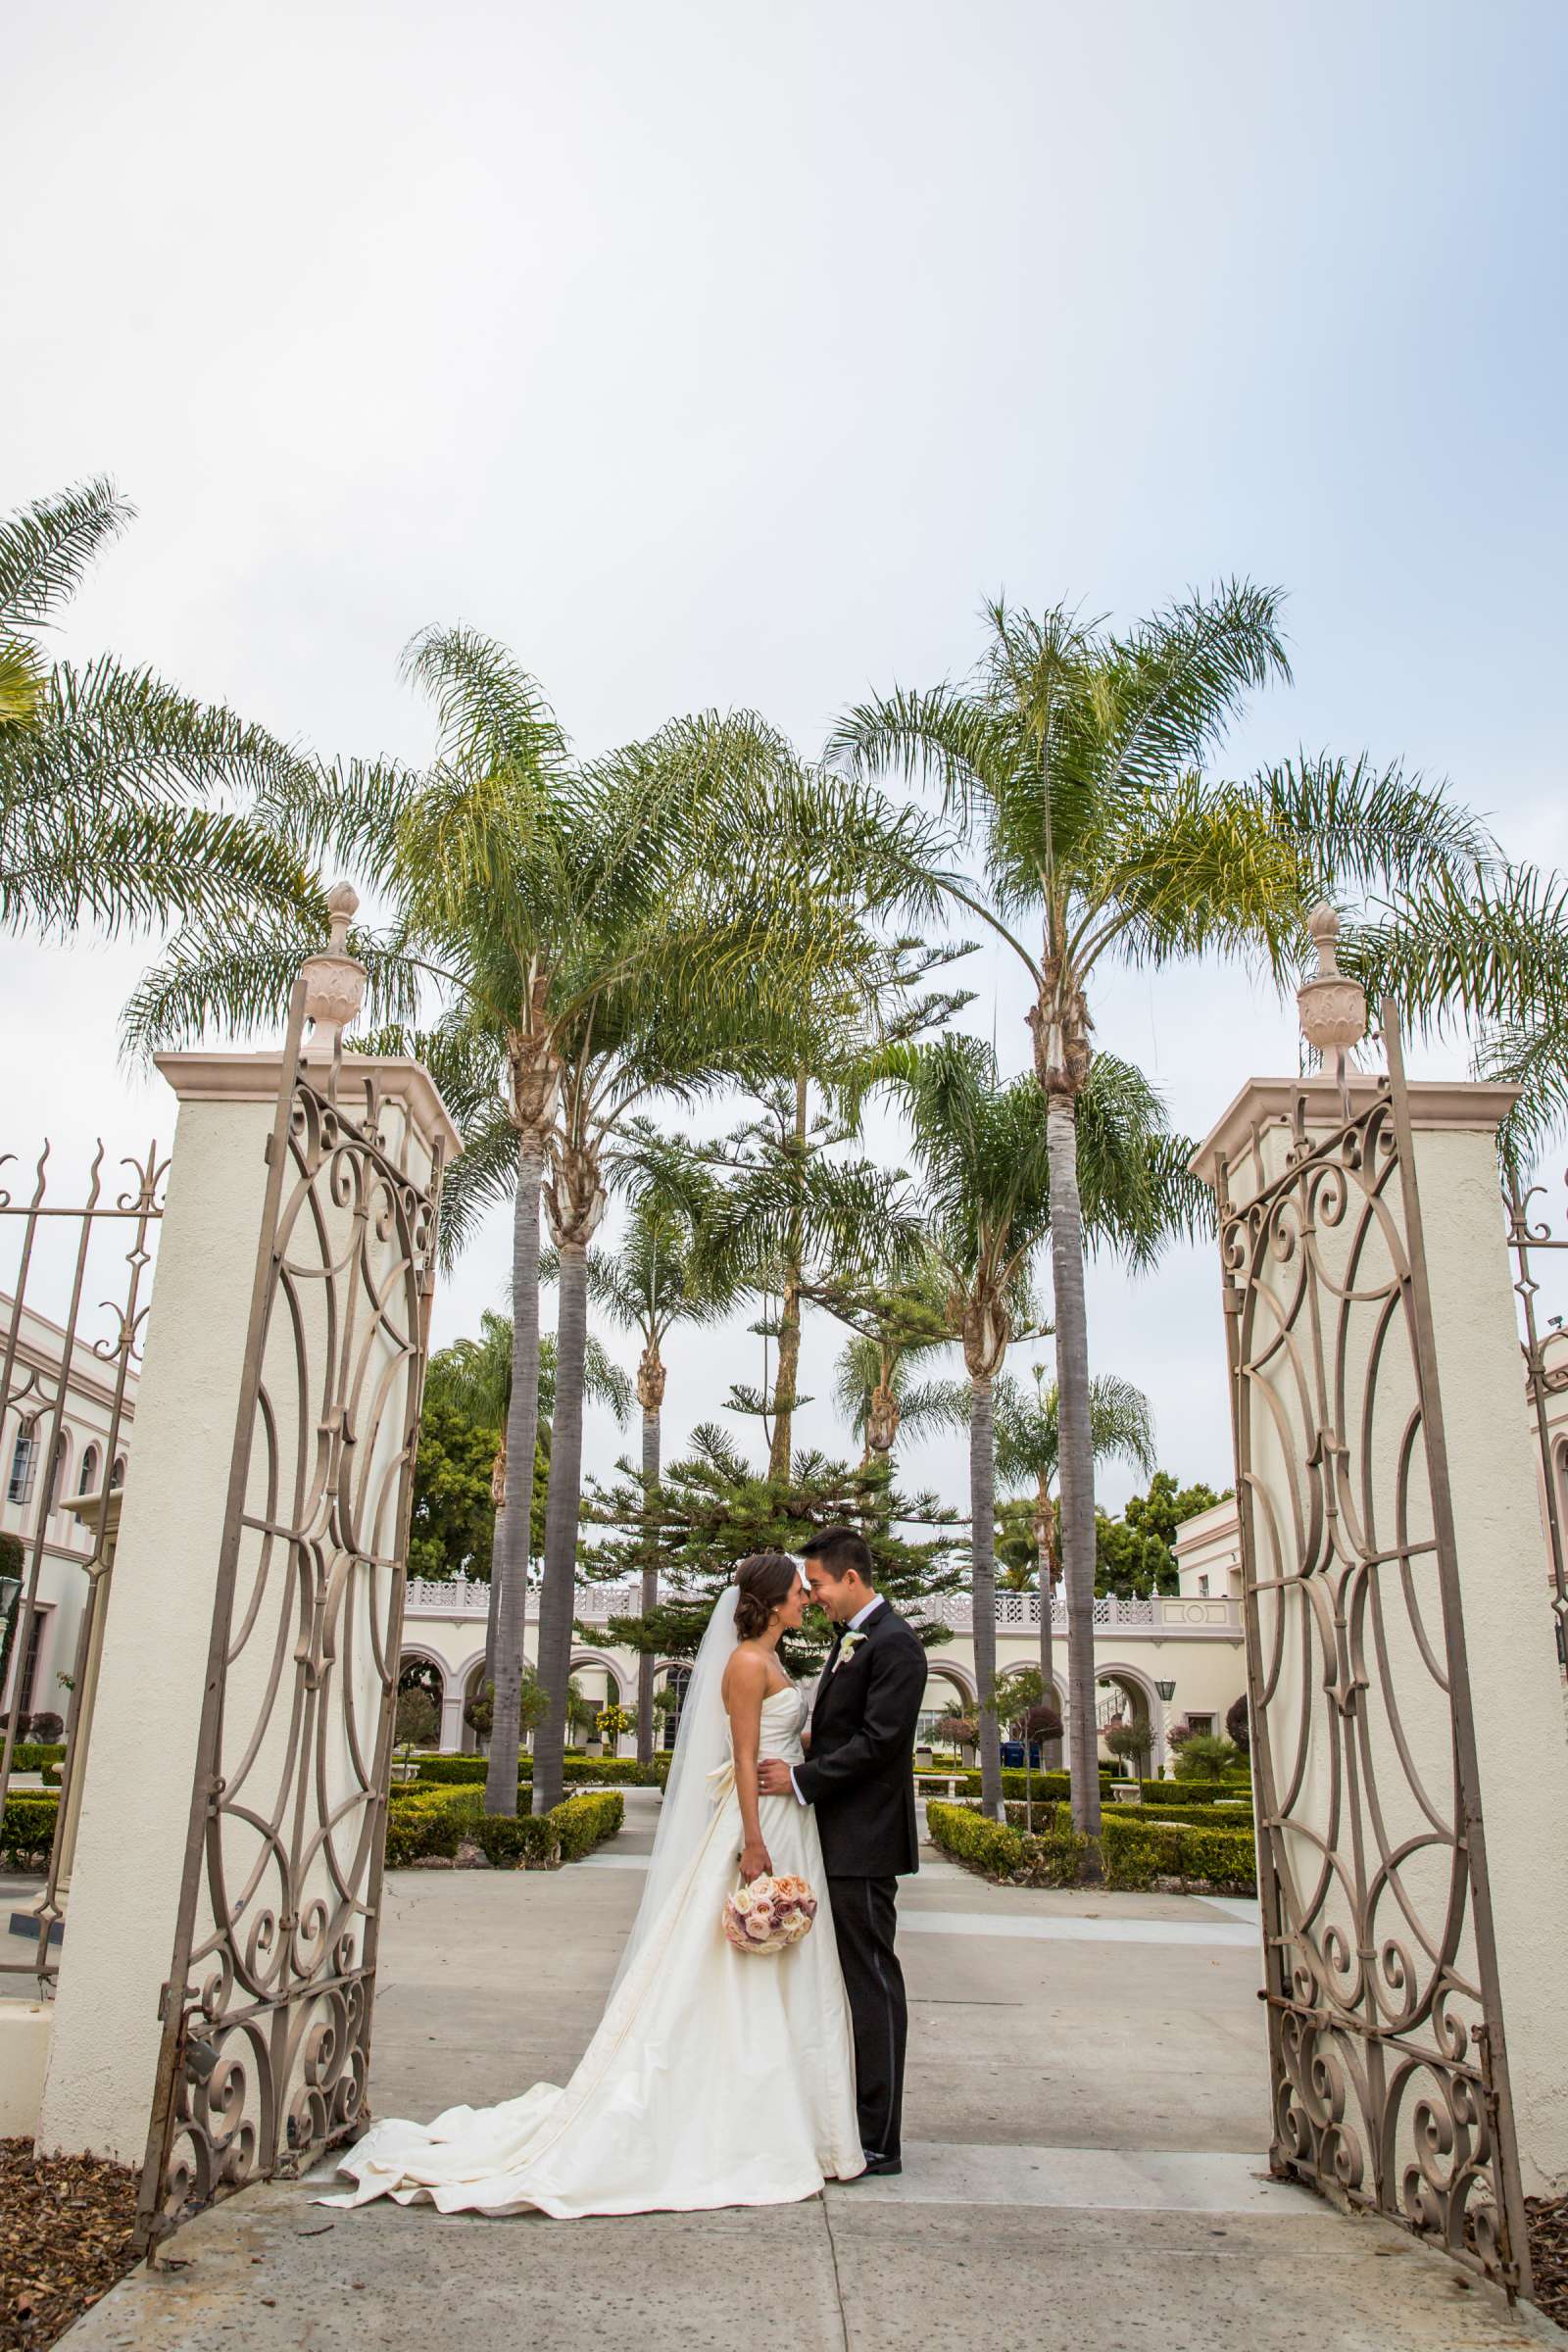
{"type": "Point", "coordinates": [207, 980]}
{"type": "Point", "coordinates": [45, 549]}
{"type": "Point", "coordinates": [1359, 827]}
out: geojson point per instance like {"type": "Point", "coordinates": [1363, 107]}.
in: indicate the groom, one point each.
{"type": "Point", "coordinates": [859, 1775]}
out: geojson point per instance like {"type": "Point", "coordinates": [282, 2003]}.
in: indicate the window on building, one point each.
{"type": "Point", "coordinates": [117, 1476]}
{"type": "Point", "coordinates": [1203, 1724]}
{"type": "Point", "coordinates": [89, 1471]}
{"type": "Point", "coordinates": [24, 1467]}
{"type": "Point", "coordinates": [1203, 1586]}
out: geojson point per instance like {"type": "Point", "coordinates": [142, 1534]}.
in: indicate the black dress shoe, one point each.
{"type": "Point", "coordinates": [879, 2166]}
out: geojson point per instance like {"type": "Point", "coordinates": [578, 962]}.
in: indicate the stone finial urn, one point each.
{"type": "Point", "coordinates": [334, 982]}
{"type": "Point", "coordinates": [1331, 1005]}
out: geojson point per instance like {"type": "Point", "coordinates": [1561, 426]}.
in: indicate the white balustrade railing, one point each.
{"type": "Point", "coordinates": [1159, 1614]}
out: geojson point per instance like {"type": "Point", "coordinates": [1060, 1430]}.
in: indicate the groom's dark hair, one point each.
{"type": "Point", "coordinates": [838, 1549]}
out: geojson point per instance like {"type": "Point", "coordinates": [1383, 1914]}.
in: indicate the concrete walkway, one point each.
{"type": "Point", "coordinates": [1086, 2118]}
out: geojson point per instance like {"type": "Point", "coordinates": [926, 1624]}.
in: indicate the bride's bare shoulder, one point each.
{"type": "Point", "coordinates": [747, 1673]}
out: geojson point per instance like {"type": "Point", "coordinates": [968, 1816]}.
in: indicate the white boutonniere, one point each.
{"type": "Point", "coordinates": [846, 1648]}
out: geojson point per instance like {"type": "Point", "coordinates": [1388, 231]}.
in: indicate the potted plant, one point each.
{"type": "Point", "coordinates": [1130, 1743]}
{"type": "Point", "coordinates": [415, 1725]}
{"type": "Point", "coordinates": [614, 1724]}
{"type": "Point", "coordinates": [582, 1716]}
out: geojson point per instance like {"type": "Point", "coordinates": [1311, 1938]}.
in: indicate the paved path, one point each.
{"type": "Point", "coordinates": [1084, 2169]}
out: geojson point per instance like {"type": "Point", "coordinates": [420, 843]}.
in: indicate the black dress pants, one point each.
{"type": "Point", "coordinates": [865, 1922]}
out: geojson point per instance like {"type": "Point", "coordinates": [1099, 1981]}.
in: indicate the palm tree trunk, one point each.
{"type": "Point", "coordinates": [983, 1586]}
{"type": "Point", "coordinates": [786, 1388]}
{"type": "Point", "coordinates": [785, 1385]}
{"type": "Point", "coordinates": [1043, 1545]}
{"type": "Point", "coordinates": [1050, 1577]}
{"type": "Point", "coordinates": [509, 1559]}
{"type": "Point", "coordinates": [498, 1496]}
{"type": "Point", "coordinates": [650, 1592]}
{"type": "Point", "coordinates": [1076, 1474]}
{"type": "Point", "coordinates": [498, 1547]}
{"type": "Point", "coordinates": [558, 1595]}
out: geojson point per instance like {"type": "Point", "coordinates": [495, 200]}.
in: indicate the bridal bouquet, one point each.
{"type": "Point", "coordinates": [769, 1915]}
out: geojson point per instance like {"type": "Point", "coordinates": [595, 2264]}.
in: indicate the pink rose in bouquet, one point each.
{"type": "Point", "coordinates": [769, 1915]}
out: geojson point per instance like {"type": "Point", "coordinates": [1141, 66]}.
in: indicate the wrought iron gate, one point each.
{"type": "Point", "coordinates": [59, 1379]}
{"type": "Point", "coordinates": [267, 2014]}
{"type": "Point", "coordinates": [1534, 1246]}
{"type": "Point", "coordinates": [1385, 2026]}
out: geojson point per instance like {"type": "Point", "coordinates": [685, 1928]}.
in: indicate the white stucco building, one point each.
{"type": "Point", "coordinates": [50, 1492]}
{"type": "Point", "coordinates": [1190, 1643]}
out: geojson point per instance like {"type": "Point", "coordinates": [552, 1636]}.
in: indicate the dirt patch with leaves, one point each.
{"type": "Point", "coordinates": [66, 2225]}
{"type": "Point", "coordinates": [1548, 2254]}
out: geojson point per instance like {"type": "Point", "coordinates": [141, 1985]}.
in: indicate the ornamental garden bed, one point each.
{"type": "Point", "coordinates": [1139, 1857]}
{"type": "Point", "coordinates": [449, 1829]}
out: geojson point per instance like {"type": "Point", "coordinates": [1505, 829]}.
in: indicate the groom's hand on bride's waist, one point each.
{"type": "Point", "coordinates": [773, 1777]}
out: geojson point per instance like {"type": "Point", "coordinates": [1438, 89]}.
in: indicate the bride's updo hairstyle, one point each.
{"type": "Point", "coordinates": [761, 1584]}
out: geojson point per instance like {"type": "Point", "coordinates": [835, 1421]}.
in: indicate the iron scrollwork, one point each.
{"type": "Point", "coordinates": [1383, 2017]}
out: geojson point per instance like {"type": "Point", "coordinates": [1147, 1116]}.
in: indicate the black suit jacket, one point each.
{"type": "Point", "coordinates": [861, 1772]}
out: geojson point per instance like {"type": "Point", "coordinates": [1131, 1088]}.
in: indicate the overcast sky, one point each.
{"type": "Point", "coordinates": [722, 356]}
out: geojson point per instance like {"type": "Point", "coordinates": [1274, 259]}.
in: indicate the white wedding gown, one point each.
{"type": "Point", "coordinates": [716, 2077]}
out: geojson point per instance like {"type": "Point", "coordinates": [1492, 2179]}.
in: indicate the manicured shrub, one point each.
{"type": "Point", "coordinates": [454, 1770]}
{"type": "Point", "coordinates": [1041, 1785]}
{"type": "Point", "coordinates": [27, 1829]}
{"type": "Point", "coordinates": [525, 1842]}
{"type": "Point", "coordinates": [1182, 1793]}
{"type": "Point", "coordinates": [1136, 1853]}
{"type": "Point", "coordinates": [421, 1825]}
{"type": "Point", "coordinates": [619, 1771]}
{"type": "Point", "coordinates": [586, 1822]}
{"type": "Point", "coordinates": [432, 1823]}
{"type": "Point", "coordinates": [32, 1756]}
{"type": "Point", "coordinates": [542, 1841]}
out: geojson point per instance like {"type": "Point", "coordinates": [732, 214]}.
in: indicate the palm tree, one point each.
{"type": "Point", "coordinates": [1121, 1428]}
{"type": "Point", "coordinates": [107, 773]}
{"type": "Point", "coordinates": [881, 1401]}
{"type": "Point", "coordinates": [476, 1375]}
{"type": "Point", "coordinates": [581, 919]}
{"type": "Point", "coordinates": [1078, 756]}
{"type": "Point", "coordinates": [648, 1287]}
{"type": "Point", "coordinates": [796, 1223]}
{"type": "Point", "coordinates": [984, 1150]}
{"type": "Point", "coordinates": [892, 1322]}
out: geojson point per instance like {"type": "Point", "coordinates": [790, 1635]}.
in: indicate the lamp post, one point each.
{"type": "Point", "coordinates": [1167, 1692]}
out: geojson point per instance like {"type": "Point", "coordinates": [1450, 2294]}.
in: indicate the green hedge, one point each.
{"type": "Point", "coordinates": [27, 1827]}
{"type": "Point", "coordinates": [1046, 1785]}
{"type": "Point", "coordinates": [1056, 1788]}
{"type": "Point", "coordinates": [619, 1772]}
{"type": "Point", "coordinates": [422, 1824]}
{"type": "Point", "coordinates": [32, 1756]}
{"type": "Point", "coordinates": [433, 1823]}
{"type": "Point", "coordinates": [1136, 1853]}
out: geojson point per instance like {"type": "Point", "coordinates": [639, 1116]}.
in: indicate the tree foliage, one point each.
{"type": "Point", "coordinates": [1137, 1551]}
{"type": "Point", "coordinates": [123, 801]}
{"type": "Point", "coordinates": [711, 1509]}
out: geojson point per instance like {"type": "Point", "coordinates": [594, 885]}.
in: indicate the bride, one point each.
{"type": "Point", "coordinates": [716, 2077]}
